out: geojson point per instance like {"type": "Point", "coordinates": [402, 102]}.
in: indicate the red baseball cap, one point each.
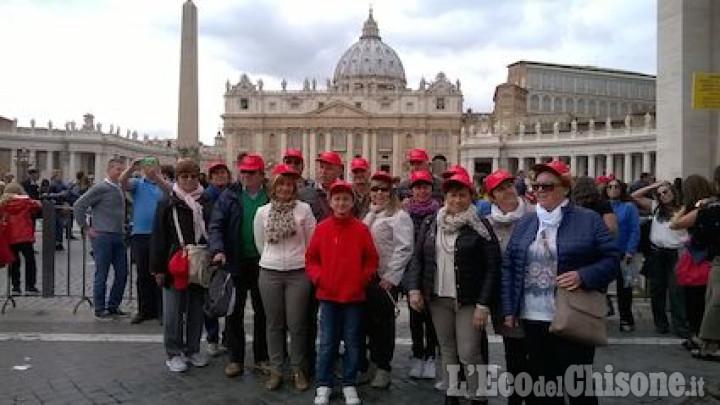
{"type": "Point", "coordinates": [296, 153]}
{"type": "Point", "coordinates": [330, 157]}
{"type": "Point", "coordinates": [217, 165]}
{"type": "Point", "coordinates": [252, 163]}
{"type": "Point", "coordinates": [459, 178]}
{"type": "Point", "coordinates": [453, 170]}
{"type": "Point", "coordinates": [497, 177]}
{"type": "Point", "coordinates": [283, 169]}
{"type": "Point", "coordinates": [602, 180]}
{"type": "Point", "coordinates": [359, 164]}
{"type": "Point", "coordinates": [382, 176]}
{"type": "Point", "coordinates": [417, 155]}
{"type": "Point", "coordinates": [339, 186]}
{"type": "Point", "coordinates": [555, 167]}
{"type": "Point", "coordinates": [419, 176]}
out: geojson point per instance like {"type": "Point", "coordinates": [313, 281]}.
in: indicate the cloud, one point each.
{"type": "Point", "coordinates": [119, 60]}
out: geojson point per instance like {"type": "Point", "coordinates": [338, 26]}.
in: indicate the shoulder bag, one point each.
{"type": "Point", "coordinates": [580, 316]}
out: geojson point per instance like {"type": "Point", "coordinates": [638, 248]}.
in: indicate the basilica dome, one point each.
{"type": "Point", "coordinates": [369, 64]}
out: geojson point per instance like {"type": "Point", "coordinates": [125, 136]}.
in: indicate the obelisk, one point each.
{"type": "Point", "coordinates": [188, 99]}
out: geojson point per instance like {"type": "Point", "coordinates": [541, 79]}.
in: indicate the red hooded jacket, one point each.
{"type": "Point", "coordinates": [21, 210]}
{"type": "Point", "coordinates": [341, 259]}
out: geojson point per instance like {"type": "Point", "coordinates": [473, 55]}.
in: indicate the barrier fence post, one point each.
{"type": "Point", "coordinates": [48, 248]}
{"type": "Point", "coordinates": [84, 297]}
{"type": "Point", "coordinates": [68, 236]}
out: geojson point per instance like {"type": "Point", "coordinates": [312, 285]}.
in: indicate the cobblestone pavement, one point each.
{"type": "Point", "coordinates": [48, 355]}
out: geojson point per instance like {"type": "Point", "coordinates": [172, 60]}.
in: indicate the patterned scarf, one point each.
{"type": "Point", "coordinates": [191, 199]}
{"type": "Point", "coordinates": [507, 218]}
{"type": "Point", "coordinates": [451, 223]}
{"type": "Point", "coordinates": [281, 221]}
{"type": "Point", "coordinates": [423, 209]}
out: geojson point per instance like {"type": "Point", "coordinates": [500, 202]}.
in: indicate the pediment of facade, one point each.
{"type": "Point", "coordinates": [339, 109]}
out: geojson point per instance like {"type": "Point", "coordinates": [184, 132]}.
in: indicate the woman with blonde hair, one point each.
{"type": "Point", "coordinates": [283, 229]}
{"type": "Point", "coordinates": [392, 231]}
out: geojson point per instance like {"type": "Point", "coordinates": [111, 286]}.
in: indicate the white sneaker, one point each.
{"type": "Point", "coordinates": [351, 396]}
{"type": "Point", "coordinates": [198, 359]}
{"type": "Point", "coordinates": [416, 368]}
{"type": "Point", "coordinates": [322, 396]}
{"type": "Point", "coordinates": [441, 386]}
{"type": "Point", "coordinates": [381, 380]}
{"type": "Point", "coordinates": [215, 349]}
{"type": "Point", "coordinates": [428, 369]}
{"type": "Point", "coordinates": [176, 364]}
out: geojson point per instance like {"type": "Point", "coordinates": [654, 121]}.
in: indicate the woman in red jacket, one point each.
{"type": "Point", "coordinates": [340, 261]}
{"type": "Point", "coordinates": [21, 211]}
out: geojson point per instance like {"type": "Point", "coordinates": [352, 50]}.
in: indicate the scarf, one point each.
{"type": "Point", "coordinates": [498, 216]}
{"type": "Point", "coordinates": [191, 199]}
{"type": "Point", "coordinates": [550, 219]}
{"type": "Point", "coordinates": [423, 209]}
{"type": "Point", "coordinates": [451, 223]}
{"type": "Point", "coordinates": [281, 221]}
{"type": "Point", "coordinates": [373, 212]}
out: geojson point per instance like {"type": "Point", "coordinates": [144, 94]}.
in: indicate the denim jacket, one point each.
{"type": "Point", "coordinates": [583, 244]}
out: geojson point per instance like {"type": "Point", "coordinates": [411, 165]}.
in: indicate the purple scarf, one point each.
{"type": "Point", "coordinates": [422, 209]}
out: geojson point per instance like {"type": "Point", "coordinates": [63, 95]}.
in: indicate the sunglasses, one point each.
{"type": "Point", "coordinates": [248, 172]}
{"type": "Point", "coordinates": [613, 186]}
{"type": "Point", "coordinates": [186, 176]}
{"type": "Point", "coordinates": [376, 189]}
{"type": "Point", "coordinates": [664, 192]}
{"type": "Point", "coordinates": [292, 161]}
{"type": "Point", "coordinates": [545, 186]}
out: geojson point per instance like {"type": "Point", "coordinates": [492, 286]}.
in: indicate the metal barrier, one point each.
{"type": "Point", "coordinates": [48, 271]}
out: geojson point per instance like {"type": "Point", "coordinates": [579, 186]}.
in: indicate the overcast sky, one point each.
{"type": "Point", "coordinates": [118, 59]}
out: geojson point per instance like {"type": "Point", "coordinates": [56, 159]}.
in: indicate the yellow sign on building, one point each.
{"type": "Point", "coordinates": [706, 91]}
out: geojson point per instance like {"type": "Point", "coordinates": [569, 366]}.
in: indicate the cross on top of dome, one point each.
{"type": "Point", "coordinates": [370, 29]}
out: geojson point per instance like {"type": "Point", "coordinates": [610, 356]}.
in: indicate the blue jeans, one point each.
{"type": "Point", "coordinates": [60, 226]}
{"type": "Point", "coordinates": [212, 327]}
{"type": "Point", "coordinates": [109, 248]}
{"type": "Point", "coordinates": [339, 322]}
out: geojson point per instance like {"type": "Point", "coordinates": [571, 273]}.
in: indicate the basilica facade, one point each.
{"type": "Point", "coordinates": [366, 109]}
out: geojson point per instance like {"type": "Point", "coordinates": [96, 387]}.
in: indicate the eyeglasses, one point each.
{"type": "Point", "coordinates": [545, 186]}
{"type": "Point", "coordinates": [377, 189]}
{"type": "Point", "coordinates": [186, 176]}
{"type": "Point", "coordinates": [292, 161]}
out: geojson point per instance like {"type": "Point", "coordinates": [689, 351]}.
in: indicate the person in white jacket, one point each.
{"type": "Point", "coordinates": [283, 228]}
{"type": "Point", "coordinates": [393, 232]}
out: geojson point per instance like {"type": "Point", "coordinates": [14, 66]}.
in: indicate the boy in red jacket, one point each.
{"type": "Point", "coordinates": [340, 261]}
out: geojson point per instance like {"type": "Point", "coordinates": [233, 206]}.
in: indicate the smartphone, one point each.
{"type": "Point", "coordinates": [149, 161]}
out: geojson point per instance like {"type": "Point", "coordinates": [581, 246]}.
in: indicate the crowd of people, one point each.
{"type": "Point", "coordinates": [326, 261]}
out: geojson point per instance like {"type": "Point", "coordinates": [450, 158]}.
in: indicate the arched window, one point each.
{"type": "Point", "coordinates": [534, 103]}
{"type": "Point", "coordinates": [546, 103]}
{"type": "Point", "coordinates": [557, 104]}
{"type": "Point", "coordinates": [592, 108]}
{"type": "Point", "coordinates": [570, 105]}
{"type": "Point", "coordinates": [602, 109]}
{"type": "Point", "coordinates": [581, 107]}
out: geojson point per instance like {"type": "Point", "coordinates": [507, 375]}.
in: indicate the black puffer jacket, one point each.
{"type": "Point", "coordinates": [477, 264]}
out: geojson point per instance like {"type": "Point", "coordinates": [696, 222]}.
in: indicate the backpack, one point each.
{"type": "Point", "coordinates": [706, 231]}
{"type": "Point", "coordinates": [221, 297]}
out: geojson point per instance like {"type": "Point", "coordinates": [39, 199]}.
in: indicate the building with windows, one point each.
{"type": "Point", "coordinates": [87, 148]}
{"type": "Point", "coordinates": [366, 109]}
{"type": "Point", "coordinates": [598, 120]}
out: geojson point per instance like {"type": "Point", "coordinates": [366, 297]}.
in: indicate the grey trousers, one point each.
{"type": "Point", "coordinates": [286, 296]}
{"type": "Point", "coordinates": [710, 329]}
{"type": "Point", "coordinates": [459, 339]}
{"type": "Point", "coordinates": [183, 318]}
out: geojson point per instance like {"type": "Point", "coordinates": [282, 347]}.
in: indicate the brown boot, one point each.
{"type": "Point", "coordinates": [233, 369]}
{"type": "Point", "coordinates": [300, 380]}
{"type": "Point", "coordinates": [274, 380]}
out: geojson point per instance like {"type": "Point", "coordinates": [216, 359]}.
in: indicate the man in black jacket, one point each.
{"type": "Point", "coordinates": [31, 186]}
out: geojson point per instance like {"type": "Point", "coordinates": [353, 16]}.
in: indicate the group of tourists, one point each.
{"type": "Point", "coordinates": [326, 261]}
